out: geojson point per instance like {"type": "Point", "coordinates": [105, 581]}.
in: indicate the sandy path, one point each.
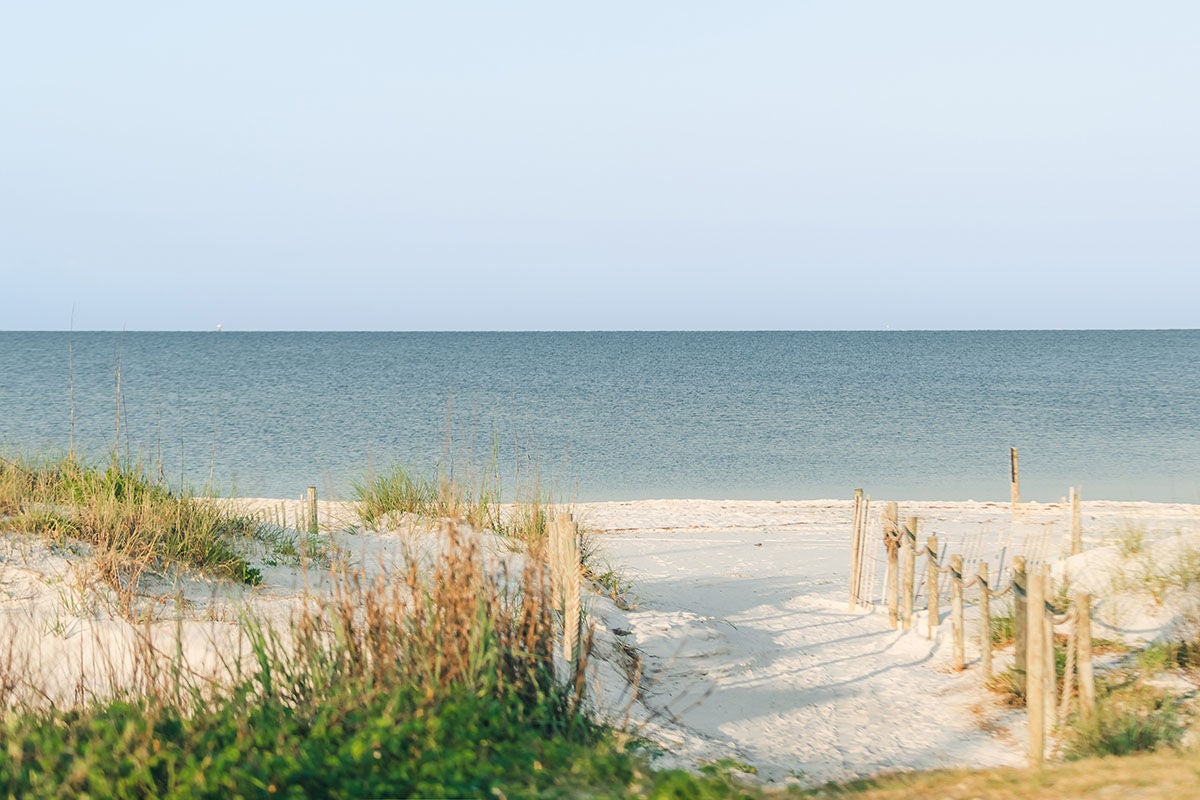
{"type": "Point", "coordinates": [751, 652]}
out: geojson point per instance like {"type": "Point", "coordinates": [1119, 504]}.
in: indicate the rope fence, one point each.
{"type": "Point", "coordinates": [1026, 578]}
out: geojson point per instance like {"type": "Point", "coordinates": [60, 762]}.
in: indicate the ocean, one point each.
{"type": "Point", "coordinates": [622, 416]}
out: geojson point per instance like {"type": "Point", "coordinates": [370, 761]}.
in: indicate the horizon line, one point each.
{"type": "Point", "coordinates": [222, 329]}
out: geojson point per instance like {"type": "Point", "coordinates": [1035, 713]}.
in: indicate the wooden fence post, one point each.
{"type": "Point", "coordinates": [854, 547]}
{"type": "Point", "coordinates": [1016, 479]}
{"type": "Point", "coordinates": [956, 611]}
{"type": "Point", "coordinates": [1083, 641]}
{"type": "Point", "coordinates": [891, 538]}
{"type": "Point", "coordinates": [312, 510]}
{"type": "Point", "coordinates": [1050, 673]}
{"type": "Point", "coordinates": [985, 623]}
{"type": "Point", "coordinates": [932, 575]}
{"type": "Point", "coordinates": [910, 571]}
{"type": "Point", "coordinates": [1020, 588]}
{"type": "Point", "coordinates": [1035, 666]}
{"type": "Point", "coordinates": [1076, 523]}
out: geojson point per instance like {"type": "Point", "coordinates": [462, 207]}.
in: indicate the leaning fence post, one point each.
{"type": "Point", "coordinates": [312, 509]}
{"type": "Point", "coordinates": [855, 548]}
{"type": "Point", "coordinates": [1083, 641]}
{"type": "Point", "coordinates": [1050, 674]}
{"type": "Point", "coordinates": [935, 614]}
{"type": "Point", "coordinates": [956, 611]}
{"type": "Point", "coordinates": [1035, 665]}
{"type": "Point", "coordinates": [1020, 588]}
{"type": "Point", "coordinates": [910, 571]}
{"type": "Point", "coordinates": [891, 538]}
{"type": "Point", "coordinates": [985, 623]}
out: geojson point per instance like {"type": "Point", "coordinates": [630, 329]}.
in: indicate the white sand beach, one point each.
{"type": "Point", "coordinates": [736, 611]}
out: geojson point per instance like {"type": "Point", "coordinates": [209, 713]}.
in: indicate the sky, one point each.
{"type": "Point", "coordinates": [564, 166]}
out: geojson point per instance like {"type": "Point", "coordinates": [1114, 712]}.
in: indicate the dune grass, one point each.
{"type": "Point", "coordinates": [381, 499]}
{"type": "Point", "coordinates": [436, 680]}
{"type": "Point", "coordinates": [125, 516]}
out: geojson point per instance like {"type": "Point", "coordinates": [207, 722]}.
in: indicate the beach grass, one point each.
{"type": "Point", "coordinates": [381, 499]}
{"type": "Point", "coordinates": [119, 511]}
{"type": "Point", "coordinates": [435, 680]}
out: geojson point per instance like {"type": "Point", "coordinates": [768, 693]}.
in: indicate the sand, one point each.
{"type": "Point", "coordinates": [737, 613]}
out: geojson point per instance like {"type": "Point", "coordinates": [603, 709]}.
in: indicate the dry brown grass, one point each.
{"type": "Point", "coordinates": [1151, 776]}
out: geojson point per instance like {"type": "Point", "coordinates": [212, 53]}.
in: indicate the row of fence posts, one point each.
{"type": "Point", "coordinates": [1034, 615]}
{"type": "Point", "coordinates": [306, 518]}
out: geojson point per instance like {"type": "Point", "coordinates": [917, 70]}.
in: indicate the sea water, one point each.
{"type": "Point", "coordinates": [588, 416]}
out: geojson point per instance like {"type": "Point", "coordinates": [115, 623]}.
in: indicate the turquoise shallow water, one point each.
{"type": "Point", "coordinates": [631, 415]}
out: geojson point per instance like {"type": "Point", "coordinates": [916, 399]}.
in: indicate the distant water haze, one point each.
{"type": "Point", "coordinates": [639, 415]}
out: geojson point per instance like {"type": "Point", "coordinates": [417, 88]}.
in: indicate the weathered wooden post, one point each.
{"type": "Point", "coordinates": [855, 548]}
{"type": "Point", "coordinates": [312, 510]}
{"type": "Point", "coordinates": [863, 516]}
{"type": "Point", "coordinates": [956, 611]}
{"type": "Point", "coordinates": [1050, 672]}
{"type": "Point", "coordinates": [565, 578]}
{"type": "Point", "coordinates": [1020, 590]}
{"type": "Point", "coordinates": [1016, 479]}
{"type": "Point", "coordinates": [909, 547]}
{"type": "Point", "coordinates": [1035, 666]}
{"type": "Point", "coordinates": [1083, 641]}
{"type": "Point", "coordinates": [1076, 523]}
{"type": "Point", "coordinates": [891, 539]}
{"type": "Point", "coordinates": [932, 572]}
{"type": "Point", "coordinates": [985, 623]}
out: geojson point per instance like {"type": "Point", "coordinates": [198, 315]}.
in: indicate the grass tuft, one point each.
{"type": "Point", "coordinates": [1133, 719]}
{"type": "Point", "coordinates": [120, 512]}
{"type": "Point", "coordinates": [380, 500]}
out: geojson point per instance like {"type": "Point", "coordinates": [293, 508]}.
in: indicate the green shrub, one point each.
{"type": "Point", "coordinates": [1132, 719]}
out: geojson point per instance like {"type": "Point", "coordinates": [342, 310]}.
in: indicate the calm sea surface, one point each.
{"type": "Point", "coordinates": [915, 415]}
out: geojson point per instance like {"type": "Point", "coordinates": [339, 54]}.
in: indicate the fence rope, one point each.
{"type": "Point", "coordinates": [1011, 587]}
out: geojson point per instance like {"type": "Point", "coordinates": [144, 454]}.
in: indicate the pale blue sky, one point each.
{"type": "Point", "coordinates": [416, 166]}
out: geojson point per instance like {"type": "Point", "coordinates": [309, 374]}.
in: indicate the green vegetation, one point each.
{"type": "Point", "coordinates": [381, 499]}
{"type": "Point", "coordinates": [436, 682]}
{"type": "Point", "coordinates": [133, 522]}
{"type": "Point", "coordinates": [287, 546]}
{"type": "Point", "coordinates": [1003, 628]}
{"type": "Point", "coordinates": [1133, 719]}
